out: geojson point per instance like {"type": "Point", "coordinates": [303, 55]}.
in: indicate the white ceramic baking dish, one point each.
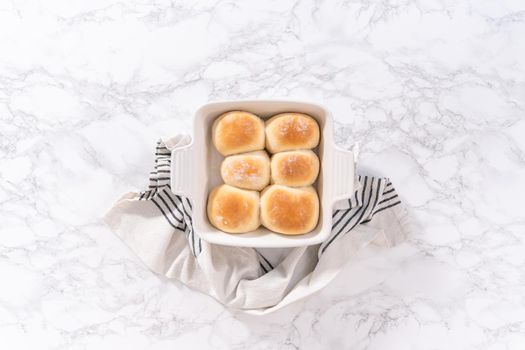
{"type": "Point", "coordinates": [195, 170]}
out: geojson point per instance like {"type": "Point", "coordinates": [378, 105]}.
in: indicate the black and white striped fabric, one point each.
{"type": "Point", "coordinates": [373, 195]}
{"type": "Point", "coordinates": [157, 226]}
{"type": "Point", "coordinates": [175, 209]}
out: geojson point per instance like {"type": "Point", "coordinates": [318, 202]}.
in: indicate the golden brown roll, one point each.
{"type": "Point", "coordinates": [250, 171]}
{"type": "Point", "coordinates": [237, 132]}
{"type": "Point", "coordinates": [289, 131]}
{"type": "Point", "coordinates": [233, 210]}
{"type": "Point", "coordinates": [288, 210]}
{"type": "Point", "coordinates": [295, 168]}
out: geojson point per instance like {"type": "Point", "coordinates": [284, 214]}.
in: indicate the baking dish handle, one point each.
{"type": "Point", "coordinates": [182, 170]}
{"type": "Point", "coordinates": [344, 172]}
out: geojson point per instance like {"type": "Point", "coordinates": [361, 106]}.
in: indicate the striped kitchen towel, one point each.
{"type": "Point", "coordinates": [157, 225]}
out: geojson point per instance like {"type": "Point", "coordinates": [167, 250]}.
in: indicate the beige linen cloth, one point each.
{"type": "Point", "coordinates": [157, 226]}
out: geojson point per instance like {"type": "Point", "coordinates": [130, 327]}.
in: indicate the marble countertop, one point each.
{"type": "Point", "coordinates": [433, 90]}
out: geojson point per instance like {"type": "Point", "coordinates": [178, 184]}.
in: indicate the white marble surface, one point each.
{"type": "Point", "coordinates": [434, 90]}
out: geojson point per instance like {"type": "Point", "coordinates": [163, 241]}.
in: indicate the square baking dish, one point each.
{"type": "Point", "coordinates": [195, 170]}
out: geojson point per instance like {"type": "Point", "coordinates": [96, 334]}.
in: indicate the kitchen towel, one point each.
{"type": "Point", "coordinates": [157, 225]}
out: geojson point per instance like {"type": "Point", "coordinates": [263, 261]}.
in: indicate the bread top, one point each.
{"type": "Point", "coordinates": [295, 168]}
{"type": "Point", "coordinates": [247, 170]}
{"type": "Point", "coordinates": [289, 210]}
{"type": "Point", "coordinates": [233, 210]}
{"type": "Point", "coordinates": [288, 131]}
{"type": "Point", "coordinates": [238, 131]}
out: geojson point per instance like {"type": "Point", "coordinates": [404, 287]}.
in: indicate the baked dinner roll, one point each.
{"type": "Point", "coordinates": [288, 210]}
{"type": "Point", "coordinates": [250, 171]}
{"type": "Point", "coordinates": [237, 132]}
{"type": "Point", "coordinates": [295, 168]}
{"type": "Point", "coordinates": [289, 131]}
{"type": "Point", "coordinates": [233, 210]}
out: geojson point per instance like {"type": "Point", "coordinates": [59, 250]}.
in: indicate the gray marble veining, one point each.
{"type": "Point", "coordinates": [433, 90]}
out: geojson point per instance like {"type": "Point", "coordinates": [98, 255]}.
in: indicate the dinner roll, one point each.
{"type": "Point", "coordinates": [289, 131]}
{"type": "Point", "coordinates": [233, 210]}
{"type": "Point", "coordinates": [295, 168]}
{"type": "Point", "coordinates": [237, 132]}
{"type": "Point", "coordinates": [250, 171]}
{"type": "Point", "coordinates": [288, 210]}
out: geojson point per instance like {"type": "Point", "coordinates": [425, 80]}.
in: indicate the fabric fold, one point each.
{"type": "Point", "coordinates": [156, 224]}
